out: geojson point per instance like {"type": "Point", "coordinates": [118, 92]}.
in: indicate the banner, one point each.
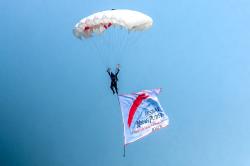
{"type": "Point", "coordinates": [142, 114]}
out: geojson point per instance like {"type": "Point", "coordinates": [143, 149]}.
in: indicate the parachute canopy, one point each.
{"type": "Point", "coordinates": [99, 22]}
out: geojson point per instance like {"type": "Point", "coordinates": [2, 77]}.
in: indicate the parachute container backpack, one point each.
{"type": "Point", "coordinates": [110, 33]}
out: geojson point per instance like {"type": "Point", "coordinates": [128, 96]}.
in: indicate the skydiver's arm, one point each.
{"type": "Point", "coordinates": [117, 71]}
{"type": "Point", "coordinates": [108, 70]}
{"type": "Point", "coordinates": [109, 73]}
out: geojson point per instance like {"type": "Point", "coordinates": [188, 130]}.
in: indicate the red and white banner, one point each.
{"type": "Point", "coordinates": [142, 114]}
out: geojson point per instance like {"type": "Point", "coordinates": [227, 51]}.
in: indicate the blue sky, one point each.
{"type": "Point", "coordinates": [56, 107]}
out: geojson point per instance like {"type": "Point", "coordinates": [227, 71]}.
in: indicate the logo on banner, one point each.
{"type": "Point", "coordinates": [148, 115]}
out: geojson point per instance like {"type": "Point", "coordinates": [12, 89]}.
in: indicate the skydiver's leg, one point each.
{"type": "Point", "coordinates": [116, 89]}
{"type": "Point", "coordinates": [112, 88]}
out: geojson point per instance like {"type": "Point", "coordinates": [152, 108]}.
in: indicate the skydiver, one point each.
{"type": "Point", "coordinates": [114, 79]}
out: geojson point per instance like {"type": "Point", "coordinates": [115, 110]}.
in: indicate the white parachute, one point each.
{"type": "Point", "coordinates": [112, 33]}
{"type": "Point", "coordinates": [99, 22]}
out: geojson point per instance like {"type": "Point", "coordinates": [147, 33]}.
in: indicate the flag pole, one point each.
{"type": "Point", "coordinates": [124, 146]}
{"type": "Point", "coordinates": [124, 150]}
